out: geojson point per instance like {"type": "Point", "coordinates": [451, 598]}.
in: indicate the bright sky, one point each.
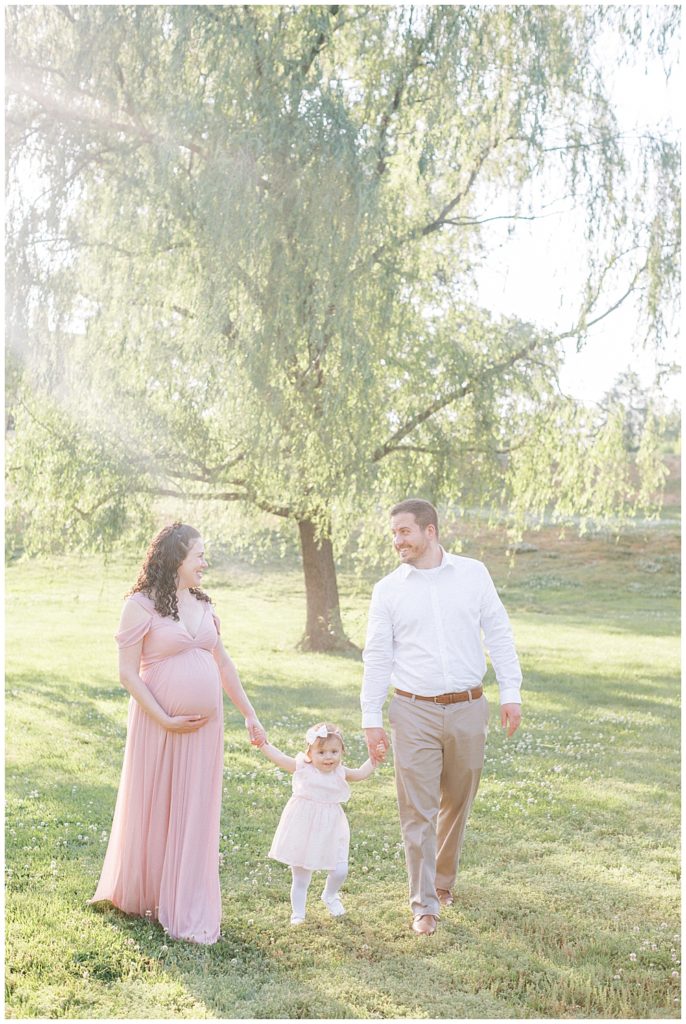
{"type": "Point", "coordinates": [536, 270]}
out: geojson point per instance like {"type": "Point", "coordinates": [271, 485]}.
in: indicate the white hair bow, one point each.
{"type": "Point", "coordinates": [313, 734]}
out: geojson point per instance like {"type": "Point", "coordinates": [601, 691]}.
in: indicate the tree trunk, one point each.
{"type": "Point", "coordinates": [324, 629]}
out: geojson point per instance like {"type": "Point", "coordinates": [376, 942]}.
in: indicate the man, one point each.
{"type": "Point", "coordinates": [424, 638]}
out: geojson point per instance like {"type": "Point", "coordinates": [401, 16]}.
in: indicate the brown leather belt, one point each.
{"type": "Point", "coordinates": [447, 698]}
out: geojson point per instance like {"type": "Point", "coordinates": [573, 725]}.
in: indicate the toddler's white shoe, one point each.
{"type": "Point", "coordinates": [297, 919]}
{"type": "Point", "coordinates": [334, 905]}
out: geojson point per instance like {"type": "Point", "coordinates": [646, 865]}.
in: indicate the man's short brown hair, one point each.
{"type": "Point", "coordinates": [423, 511]}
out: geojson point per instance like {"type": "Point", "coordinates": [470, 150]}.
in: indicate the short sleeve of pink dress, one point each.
{"type": "Point", "coordinates": [163, 855]}
{"type": "Point", "coordinates": [313, 832]}
{"type": "Point", "coordinates": [133, 635]}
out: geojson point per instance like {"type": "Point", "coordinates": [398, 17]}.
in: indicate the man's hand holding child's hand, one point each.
{"type": "Point", "coordinates": [377, 745]}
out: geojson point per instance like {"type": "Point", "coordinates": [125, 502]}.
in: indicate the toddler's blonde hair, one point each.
{"type": "Point", "coordinates": [331, 730]}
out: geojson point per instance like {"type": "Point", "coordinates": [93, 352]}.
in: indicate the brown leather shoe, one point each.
{"type": "Point", "coordinates": [445, 897]}
{"type": "Point", "coordinates": [424, 924]}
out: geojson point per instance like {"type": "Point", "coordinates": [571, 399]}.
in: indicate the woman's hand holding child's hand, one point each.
{"type": "Point", "coordinates": [258, 736]}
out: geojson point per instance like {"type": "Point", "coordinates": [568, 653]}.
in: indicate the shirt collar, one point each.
{"type": "Point", "coordinates": [406, 568]}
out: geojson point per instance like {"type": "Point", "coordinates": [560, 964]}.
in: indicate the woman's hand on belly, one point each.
{"type": "Point", "coordinates": [186, 723]}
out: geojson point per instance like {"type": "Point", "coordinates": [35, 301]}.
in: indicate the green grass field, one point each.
{"type": "Point", "coordinates": [568, 898]}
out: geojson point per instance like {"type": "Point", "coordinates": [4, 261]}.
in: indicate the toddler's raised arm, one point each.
{"type": "Point", "coordinates": [363, 772]}
{"type": "Point", "coordinates": [278, 758]}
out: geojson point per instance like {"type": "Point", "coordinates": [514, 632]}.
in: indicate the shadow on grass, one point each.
{"type": "Point", "coordinates": [238, 976]}
{"type": "Point", "coordinates": [530, 916]}
{"type": "Point", "coordinates": [576, 695]}
{"type": "Point", "coordinates": [72, 703]}
{"type": "Point", "coordinates": [76, 704]}
{"type": "Point", "coordinates": [654, 618]}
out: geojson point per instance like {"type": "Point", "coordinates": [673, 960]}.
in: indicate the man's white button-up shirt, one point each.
{"type": "Point", "coordinates": [424, 635]}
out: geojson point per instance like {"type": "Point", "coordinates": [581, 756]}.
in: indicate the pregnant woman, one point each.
{"type": "Point", "coordinates": [162, 860]}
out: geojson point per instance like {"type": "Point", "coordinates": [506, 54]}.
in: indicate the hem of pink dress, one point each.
{"type": "Point", "coordinates": [103, 899]}
{"type": "Point", "coordinates": [194, 939]}
{"type": "Point", "coordinates": [204, 941]}
{"type": "Point", "coordinates": [117, 906]}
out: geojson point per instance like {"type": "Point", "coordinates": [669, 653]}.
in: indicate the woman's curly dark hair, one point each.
{"type": "Point", "coordinates": [157, 577]}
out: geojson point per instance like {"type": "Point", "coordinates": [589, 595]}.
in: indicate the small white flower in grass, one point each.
{"type": "Point", "coordinates": [675, 974]}
{"type": "Point", "coordinates": [636, 928]}
{"type": "Point", "coordinates": [632, 956]}
{"type": "Point", "coordinates": [616, 977]}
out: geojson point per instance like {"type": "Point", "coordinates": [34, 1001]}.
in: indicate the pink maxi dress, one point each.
{"type": "Point", "coordinates": [162, 860]}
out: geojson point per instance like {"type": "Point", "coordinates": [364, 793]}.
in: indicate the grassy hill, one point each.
{"type": "Point", "coordinates": [568, 898]}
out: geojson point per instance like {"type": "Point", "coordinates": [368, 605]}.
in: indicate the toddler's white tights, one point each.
{"type": "Point", "coordinates": [301, 883]}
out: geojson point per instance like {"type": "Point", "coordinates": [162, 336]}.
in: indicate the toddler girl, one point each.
{"type": "Point", "coordinates": [313, 833]}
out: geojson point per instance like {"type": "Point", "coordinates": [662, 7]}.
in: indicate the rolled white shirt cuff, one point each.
{"type": "Point", "coordinates": [372, 720]}
{"type": "Point", "coordinates": [510, 695]}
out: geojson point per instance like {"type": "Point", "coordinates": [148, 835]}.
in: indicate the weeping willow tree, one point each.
{"type": "Point", "coordinates": [242, 244]}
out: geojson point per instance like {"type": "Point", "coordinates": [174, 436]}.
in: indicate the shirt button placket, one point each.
{"type": "Point", "coordinates": [435, 604]}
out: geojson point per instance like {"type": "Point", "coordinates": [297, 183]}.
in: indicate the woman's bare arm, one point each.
{"type": "Point", "coordinates": [233, 688]}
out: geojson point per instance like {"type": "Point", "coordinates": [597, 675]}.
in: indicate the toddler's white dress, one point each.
{"type": "Point", "coordinates": [313, 832]}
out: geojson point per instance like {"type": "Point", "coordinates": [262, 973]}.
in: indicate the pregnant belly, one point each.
{"type": "Point", "coordinates": [187, 684]}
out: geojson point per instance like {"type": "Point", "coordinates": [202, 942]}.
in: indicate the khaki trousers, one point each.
{"type": "Point", "coordinates": [439, 754]}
